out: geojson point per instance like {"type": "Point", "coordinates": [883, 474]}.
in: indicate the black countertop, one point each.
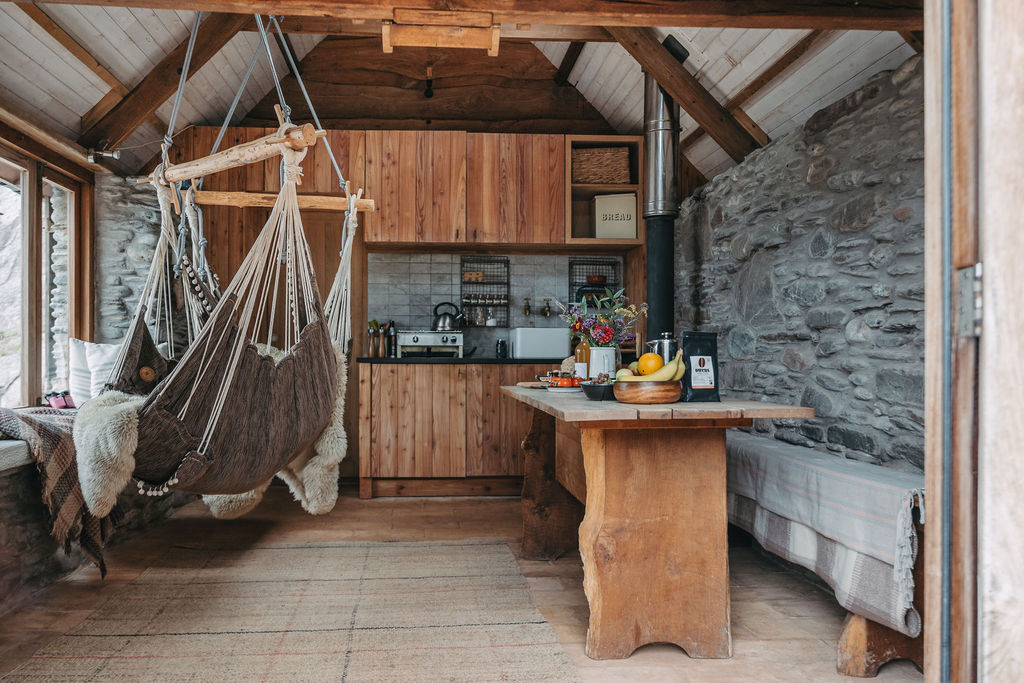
{"type": "Point", "coordinates": [475, 360]}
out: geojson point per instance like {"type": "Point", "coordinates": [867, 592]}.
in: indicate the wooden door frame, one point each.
{"type": "Point", "coordinates": [974, 171]}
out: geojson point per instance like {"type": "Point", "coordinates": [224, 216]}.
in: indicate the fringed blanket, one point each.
{"type": "Point", "coordinates": [849, 522]}
{"type": "Point", "coordinates": [48, 434]}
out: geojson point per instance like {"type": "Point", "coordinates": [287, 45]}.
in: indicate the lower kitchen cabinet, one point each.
{"type": "Point", "coordinates": [418, 418]}
{"type": "Point", "coordinates": [441, 429]}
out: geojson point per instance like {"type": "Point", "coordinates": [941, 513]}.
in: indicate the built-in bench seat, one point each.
{"type": "Point", "coordinates": [851, 523]}
{"type": "Point", "coordinates": [13, 454]}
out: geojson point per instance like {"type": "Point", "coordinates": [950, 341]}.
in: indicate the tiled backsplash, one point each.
{"type": "Point", "coordinates": [406, 287]}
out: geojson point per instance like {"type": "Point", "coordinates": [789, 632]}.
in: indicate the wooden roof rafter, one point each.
{"type": "Point", "coordinates": [683, 87]}
{"type": "Point", "coordinates": [117, 89]}
{"type": "Point", "coordinates": [734, 105]}
{"type": "Point", "coordinates": [880, 15]}
{"type": "Point", "coordinates": [160, 83]}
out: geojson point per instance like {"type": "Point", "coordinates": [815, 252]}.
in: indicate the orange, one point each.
{"type": "Point", "coordinates": [649, 362]}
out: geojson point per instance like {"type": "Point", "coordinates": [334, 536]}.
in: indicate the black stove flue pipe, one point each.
{"type": "Point", "coordinates": [661, 204]}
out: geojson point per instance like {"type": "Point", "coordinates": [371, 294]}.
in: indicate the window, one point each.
{"type": "Point", "coordinates": [39, 263]}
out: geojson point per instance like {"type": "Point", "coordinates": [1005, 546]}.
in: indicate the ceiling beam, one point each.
{"type": "Point", "coordinates": [572, 53]}
{"type": "Point", "coordinates": [117, 89]}
{"type": "Point", "coordinates": [682, 87]}
{"type": "Point", "coordinates": [755, 86]}
{"type": "Point", "coordinates": [879, 15]}
{"type": "Point", "coordinates": [161, 82]}
{"type": "Point", "coordinates": [914, 39]}
{"type": "Point", "coordinates": [516, 31]}
{"type": "Point", "coordinates": [44, 144]}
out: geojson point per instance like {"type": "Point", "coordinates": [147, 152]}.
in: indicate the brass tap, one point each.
{"type": "Point", "coordinates": [526, 308]}
{"type": "Point", "coordinates": [547, 308]}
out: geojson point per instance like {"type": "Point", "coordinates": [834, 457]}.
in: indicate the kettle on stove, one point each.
{"type": "Point", "coordinates": [447, 321]}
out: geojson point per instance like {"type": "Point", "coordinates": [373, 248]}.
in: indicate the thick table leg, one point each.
{"type": "Point", "coordinates": [654, 541]}
{"type": "Point", "coordinates": [551, 516]}
{"type": "Point", "coordinates": [865, 646]}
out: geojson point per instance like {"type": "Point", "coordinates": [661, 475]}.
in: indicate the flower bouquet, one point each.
{"type": "Point", "coordinates": [604, 322]}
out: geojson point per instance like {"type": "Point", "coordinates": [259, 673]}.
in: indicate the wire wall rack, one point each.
{"type": "Point", "coordinates": [590, 276]}
{"type": "Point", "coordinates": [485, 291]}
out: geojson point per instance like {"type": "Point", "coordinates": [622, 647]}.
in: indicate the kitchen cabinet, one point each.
{"type": "Point", "coordinates": [516, 188]}
{"type": "Point", "coordinates": [418, 179]}
{"type": "Point", "coordinates": [496, 425]}
{"type": "Point", "coordinates": [418, 423]}
{"type": "Point", "coordinates": [441, 429]}
{"type": "Point", "coordinates": [580, 191]}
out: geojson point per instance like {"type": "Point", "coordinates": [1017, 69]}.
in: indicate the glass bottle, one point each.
{"type": "Point", "coordinates": [582, 361]}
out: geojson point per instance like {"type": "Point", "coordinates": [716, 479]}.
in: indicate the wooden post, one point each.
{"type": "Point", "coordinates": [317, 202]}
{"type": "Point", "coordinates": [654, 541]}
{"type": "Point", "coordinates": [551, 516]}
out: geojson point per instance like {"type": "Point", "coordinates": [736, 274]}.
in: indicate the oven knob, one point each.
{"type": "Point", "coordinates": [415, 339]}
{"type": "Point", "coordinates": [444, 339]}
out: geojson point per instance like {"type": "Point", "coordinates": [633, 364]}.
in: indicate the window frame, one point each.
{"type": "Point", "coordinates": [80, 243]}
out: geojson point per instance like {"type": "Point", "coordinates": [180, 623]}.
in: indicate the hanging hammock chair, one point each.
{"type": "Point", "coordinates": [260, 388]}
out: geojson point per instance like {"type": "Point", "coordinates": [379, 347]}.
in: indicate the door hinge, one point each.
{"type": "Point", "coordinates": [969, 301]}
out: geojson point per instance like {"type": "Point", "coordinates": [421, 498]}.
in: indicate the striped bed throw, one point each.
{"type": "Point", "coordinates": [849, 522]}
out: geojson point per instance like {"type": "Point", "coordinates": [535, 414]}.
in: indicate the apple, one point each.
{"type": "Point", "coordinates": [624, 372]}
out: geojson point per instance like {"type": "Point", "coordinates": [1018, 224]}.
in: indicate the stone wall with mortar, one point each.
{"type": "Point", "coordinates": [807, 260]}
{"type": "Point", "coordinates": [127, 228]}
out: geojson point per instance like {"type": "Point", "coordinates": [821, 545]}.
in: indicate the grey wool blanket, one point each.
{"type": "Point", "coordinates": [849, 522]}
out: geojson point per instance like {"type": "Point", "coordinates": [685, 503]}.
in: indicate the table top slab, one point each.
{"type": "Point", "coordinates": [578, 408]}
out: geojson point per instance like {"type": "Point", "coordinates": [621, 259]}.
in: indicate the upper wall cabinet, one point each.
{"type": "Point", "coordinates": [516, 188]}
{"type": "Point", "coordinates": [603, 191]}
{"type": "Point", "coordinates": [418, 179]}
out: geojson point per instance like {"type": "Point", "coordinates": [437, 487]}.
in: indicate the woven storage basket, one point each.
{"type": "Point", "coordinates": [600, 165]}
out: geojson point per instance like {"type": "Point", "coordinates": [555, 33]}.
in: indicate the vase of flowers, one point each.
{"type": "Point", "coordinates": [604, 323]}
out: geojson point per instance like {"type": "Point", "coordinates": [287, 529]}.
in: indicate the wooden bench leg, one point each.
{"type": "Point", "coordinates": [864, 646]}
{"type": "Point", "coordinates": [551, 516]}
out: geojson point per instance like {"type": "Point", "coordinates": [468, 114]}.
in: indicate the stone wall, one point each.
{"type": "Point", "coordinates": [807, 259]}
{"type": "Point", "coordinates": [127, 228]}
{"type": "Point", "coordinates": [29, 557]}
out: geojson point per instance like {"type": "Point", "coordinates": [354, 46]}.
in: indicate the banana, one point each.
{"type": "Point", "coordinates": [666, 373]}
{"type": "Point", "coordinates": [682, 367]}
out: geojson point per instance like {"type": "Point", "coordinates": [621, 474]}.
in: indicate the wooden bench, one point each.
{"type": "Point", "coordinates": [827, 514]}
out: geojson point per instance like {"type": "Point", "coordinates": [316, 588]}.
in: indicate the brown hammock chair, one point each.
{"type": "Point", "coordinates": [233, 412]}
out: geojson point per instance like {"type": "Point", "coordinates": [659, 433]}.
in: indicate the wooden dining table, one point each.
{"type": "Point", "coordinates": [641, 491]}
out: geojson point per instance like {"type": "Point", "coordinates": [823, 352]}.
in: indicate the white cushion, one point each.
{"type": "Point", "coordinates": [101, 361]}
{"type": "Point", "coordinates": [79, 377]}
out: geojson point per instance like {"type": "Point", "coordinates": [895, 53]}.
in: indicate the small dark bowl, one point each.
{"type": "Point", "coordinates": [598, 392]}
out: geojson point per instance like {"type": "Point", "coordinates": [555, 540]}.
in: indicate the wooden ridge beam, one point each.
{"type": "Point", "coordinates": [682, 87]}
{"type": "Point", "coordinates": [117, 89]}
{"type": "Point", "coordinates": [160, 83]}
{"type": "Point", "coordinates": [755, 86]}
{"type": "Point", "coordinates": [572, 53]}
{"type": "Point", "coordinates": [878, 15]}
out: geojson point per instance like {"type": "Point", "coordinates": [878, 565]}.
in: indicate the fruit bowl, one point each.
{"type": "Point", "coordinates": [647, 392]}
{"type": "Point", "coordinates": [598, 392]}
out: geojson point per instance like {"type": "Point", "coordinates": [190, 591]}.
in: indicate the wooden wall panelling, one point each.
{"type": "Point", "coordinates": [516, 191]}
{"type": "Point", "coordinates": [513, 92]}
{"type": "Point", "coordinates": [418, 179]}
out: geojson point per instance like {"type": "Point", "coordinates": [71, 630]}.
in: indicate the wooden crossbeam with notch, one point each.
{"type": "Point", "coordinates": [878, 15]}
{"type": "Point", "coordinates": [682, 87]}
{"type": "Point", "coordinates": [160, 83]}
{"type": "Point", "coordinates": [428, 35]}
{"type": "Point", "coordinates": [331, 26]}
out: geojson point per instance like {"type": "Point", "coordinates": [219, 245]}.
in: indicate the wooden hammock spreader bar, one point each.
{"type": "Point", "coordinates": [295, 137]}
{"type": "Point", "coordinates": [265, 199]}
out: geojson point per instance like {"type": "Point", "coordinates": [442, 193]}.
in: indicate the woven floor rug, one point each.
{"type": "Point", "coordinates": [444, 611]}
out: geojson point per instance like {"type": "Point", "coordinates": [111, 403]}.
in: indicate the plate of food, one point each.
{"type": "Point", "coordinates": [565, 390]}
